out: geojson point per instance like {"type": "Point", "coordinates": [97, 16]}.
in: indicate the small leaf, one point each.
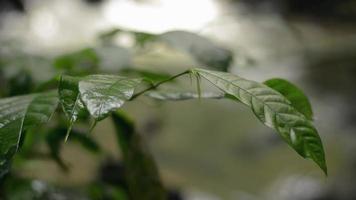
{"type": "Point", "coordinates": [17, 115]}
{"type": "Point", "coordinates": [295, 95]}
{"type": "Point", "coordinates": [274, 110]}
{"type": "Point", "coordinates": [178, 96]}
{"type": "Point", "coordinates": [102, 94]}
{"type": "Point", "coordinates": [143, 38]}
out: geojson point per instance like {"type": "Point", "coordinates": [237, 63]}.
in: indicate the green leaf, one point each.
{"type": "Point", "coordinates": [40, 109]}
{"type": "Point", "coordinates": [178, 96]}
{"type": "Point", "coordinates": [70, 100]}
{"type": "Point", "coordinates": [295, 95]}
{"type": "Point", "coordinates": [70, 97]}
{"type": "Point", "coordinates": [102, 94]}
{"type": "Point", "coordinates": [143, 38]}
{"type": "Point", "coordinates": [108, 35]}
{"type": "Point", "coordinates": [19, 114]}
{"type": "Point", "coordinates": [274, 110]}
{"type": "Point", "coordinates": [81, 62]}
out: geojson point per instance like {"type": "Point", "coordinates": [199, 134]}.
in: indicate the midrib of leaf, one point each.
{"type": "Point", "coordinates": [77, 100]}
{"type": "Point", "coordinates": [108, 91]}
{"type": "Point", "coordinates": [275, 114]}
{"type": "Point", "coordinates": [15, 114]}
{"type": "Point", "coordinates": [251, 94]}
{"type": "Point", "coordinates": [108, 86]}
{"type": "Point", "coordinates": [265, 103]}
{"type": "Point", "coordinates": [114, 84]}
{"type": "Point", "coordinates": [179, 96]}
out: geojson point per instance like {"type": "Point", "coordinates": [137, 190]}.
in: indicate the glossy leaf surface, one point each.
{"type": "Point", "coordinates": [178, 96]}
{"type": "Point", "coordinates": [18, 114]}
{"type": "Point", "coordinates": [102, 94]}
{"type": "Point", "coordinates": [274, 110]}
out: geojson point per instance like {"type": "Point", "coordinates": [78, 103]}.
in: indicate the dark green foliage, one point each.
{"type": "Point", "coordinates": [101, 191]}
{"type": "Point", "coordinates": [70, 100]}
{"type": "Point", "coordinates": [280, 105]}
{"type": "Point", "coordinates": [78, 63]}
{"type": "Point", "coordinates": [19, 114]}
{"type": "Point", "coordinates": [21, 83]}
{"type": "Point", "coordinates": [56, 136]}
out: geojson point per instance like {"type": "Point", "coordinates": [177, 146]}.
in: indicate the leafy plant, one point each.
{"type": "Point", "coordinates": [276, 103]}
{"type": "Point", "coordinates": [78, 89]}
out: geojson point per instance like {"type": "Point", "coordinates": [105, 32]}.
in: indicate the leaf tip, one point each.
{"type": "Point", "coordinates": [323, 167]}
{"type": "Point", "coordinates": [68, 133]}
{"type": "Point", "coordinates": [92, 126]}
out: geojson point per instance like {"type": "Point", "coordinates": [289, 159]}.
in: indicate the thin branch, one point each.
{"type": "Point", "coordinates": [154, 86]}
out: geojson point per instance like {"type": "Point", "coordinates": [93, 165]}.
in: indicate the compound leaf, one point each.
{"type": "Point", "coordinates": [272, 109]}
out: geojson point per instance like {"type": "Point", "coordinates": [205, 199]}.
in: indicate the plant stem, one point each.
{"type": "Point", "coordinates": [154, 86]}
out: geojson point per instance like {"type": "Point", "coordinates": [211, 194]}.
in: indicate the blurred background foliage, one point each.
{"type": "Point", "coordinates": [208, 149]}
